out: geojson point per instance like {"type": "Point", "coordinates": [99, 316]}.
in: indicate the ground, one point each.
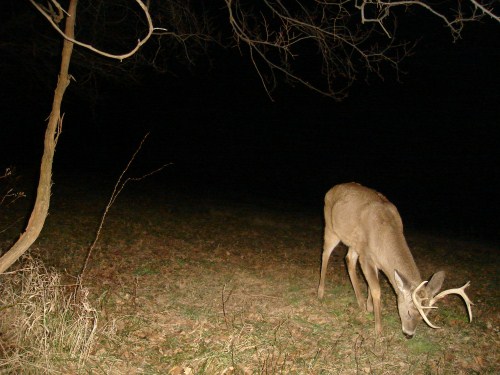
{"type": "Point", "coordinates": [191, 284]}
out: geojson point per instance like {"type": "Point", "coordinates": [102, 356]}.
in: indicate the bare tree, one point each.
{"type": "Point", "coordinates": [54, 14]}
{"type": "Point", "coordinates": [52, 133]}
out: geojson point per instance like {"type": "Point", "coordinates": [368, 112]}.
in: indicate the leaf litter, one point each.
{"type": "Point", "coordinates": [216, 288]}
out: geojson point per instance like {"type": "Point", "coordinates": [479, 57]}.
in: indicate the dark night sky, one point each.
{"type": "Point", "coordinates": [429, 142]}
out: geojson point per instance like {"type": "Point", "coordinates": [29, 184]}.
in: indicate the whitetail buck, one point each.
{"type": "Point", "coordinates": [371, 227]}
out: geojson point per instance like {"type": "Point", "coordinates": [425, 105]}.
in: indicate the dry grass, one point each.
{"type": "Point", "coordinates": [206, 287]}
{"type": "Point", "coordinates": [46, 327]}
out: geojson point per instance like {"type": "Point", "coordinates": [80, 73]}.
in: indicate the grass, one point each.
{"type": "Point", "coordinates": [181, 285]}
{"type": "Point", "coordinates": [44, 324]}
{"type": "Point", "coordinates": [422, 345]}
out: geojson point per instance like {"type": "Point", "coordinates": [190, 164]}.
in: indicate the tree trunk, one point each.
{"type": "Point", "coordinates": [42, 202]}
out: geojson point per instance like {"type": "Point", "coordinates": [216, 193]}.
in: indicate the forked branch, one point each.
{"type": "Point", "coordinates": [54, 18]}
{"type": "Point", "coordinates": [120, 184]}
{"type": "Point", "coordinates": [454, 20]}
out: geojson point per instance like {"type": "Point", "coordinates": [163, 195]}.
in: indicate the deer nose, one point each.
{"type": "Point", "coordinates": [408, 336]}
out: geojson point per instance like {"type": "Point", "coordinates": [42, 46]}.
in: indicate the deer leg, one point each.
{"type": "Point", "coordinates": [369, 302]}
{"type": "Point", "coordinates": [352, 260]}
{"type": "Point", "coordinates": [371, 275]}
{"type": "Point", "coordinates": [330, 242]}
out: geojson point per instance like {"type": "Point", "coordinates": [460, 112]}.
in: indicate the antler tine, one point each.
{"type": "Point", "coordinates": [420, 308]}
{"type": "Point", "coordinates": [460, 292]}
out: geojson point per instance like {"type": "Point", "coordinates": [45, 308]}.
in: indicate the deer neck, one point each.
{"type": "Point", "coordinates": [398, 257]}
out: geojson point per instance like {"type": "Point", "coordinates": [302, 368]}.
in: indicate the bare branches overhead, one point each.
{"type": "Point", "coordinates": [324, 45]}
{"type": "Point", "coordinates": [341, 38]}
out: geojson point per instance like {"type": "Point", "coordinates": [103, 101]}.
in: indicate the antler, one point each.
{"type": "Point", "coordinates": [418, 304]}
{"type": "Point", "coordinates": [460, 291]}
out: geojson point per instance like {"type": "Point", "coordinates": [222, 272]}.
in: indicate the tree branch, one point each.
{"type": "Point", "coordinates": [121, 57]}
{"type": "Point", "coordinates": [328, 34]}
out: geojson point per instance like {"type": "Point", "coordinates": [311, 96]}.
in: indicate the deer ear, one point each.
{"type": "Point", "coordinates": [402, 284]}
{"type": "Point", "coordinates": [435, 283]}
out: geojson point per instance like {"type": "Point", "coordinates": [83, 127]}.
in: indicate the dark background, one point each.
{"type": "Point", "coordinates": [429, 142]}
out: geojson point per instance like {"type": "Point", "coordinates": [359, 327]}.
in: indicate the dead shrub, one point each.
{"type": "Point", "coordinates": [45, 326]}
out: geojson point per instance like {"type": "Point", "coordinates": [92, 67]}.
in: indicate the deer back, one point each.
{"type": "Point", "coordinates": [366, 221]}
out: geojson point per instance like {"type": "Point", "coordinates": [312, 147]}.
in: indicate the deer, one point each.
{"type": "Point", "coordinates": [370, 226]}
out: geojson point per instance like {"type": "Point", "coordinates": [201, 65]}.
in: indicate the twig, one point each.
{"type": "Point", "coordinates": [224, 301]}
{"type": "Point", "coordinates": [357, 345]}
{"type": "Point", "coordinates": [11, 225]}
{"type": "Point", "coordinates": [118, 188]}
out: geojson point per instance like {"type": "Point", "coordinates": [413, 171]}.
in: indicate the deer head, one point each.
{"type": "Point", "coordinates": [413, 300]}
